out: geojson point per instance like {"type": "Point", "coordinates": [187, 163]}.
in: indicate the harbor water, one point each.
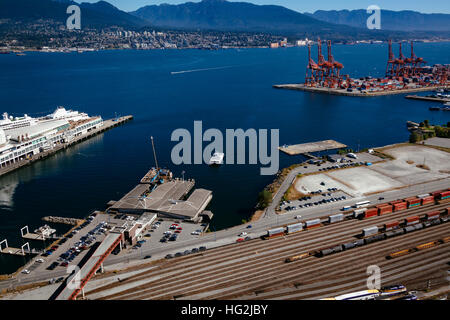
{"type": "Point", "coordinates": [169, 89]}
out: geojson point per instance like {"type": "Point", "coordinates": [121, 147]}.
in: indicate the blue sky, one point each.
{"type": "Point", "coordinates": [434, 6]}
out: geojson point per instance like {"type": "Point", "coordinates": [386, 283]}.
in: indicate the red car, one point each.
{"type": "Point", "coordinates": [177, 231]}
{"type": "Point", "coordinates": [240, 240]}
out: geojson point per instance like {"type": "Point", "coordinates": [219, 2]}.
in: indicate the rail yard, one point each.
{"type": "Point", "coordinates": [396, 219]}
{"type": "Point", "coordinates": [257, 269]}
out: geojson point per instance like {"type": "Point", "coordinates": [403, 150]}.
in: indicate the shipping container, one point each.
{"type": "Point", "coordinates": [413, 202]}
{"type": "Point", "coordinates": [433, 215]}
{"type": "Point", "coordinates": [337, 248]}
{"type": "Point", "coordinates": [370, 231]}
{"type": "Point", "coordinates": [447, 211]}
{"type": "Point", "coordinates": [426, 195]}
{"type": "Point", "coordinates": [391, 225]}
{"type": "Point", "coordinates": [427, 200]}
{"type": "Point", "coordinates": [412, 220]}
{"type": "Point", "coordinates": [372, 212]}
{"type": "Point", "coordinates": [275, 232]}
{"type": "Point", "coordinates": [409, 229]}
{"type": "Point", "coordinates": [335, 218]}
{"type": "Point", "coordinates": [383, 209]}
{"type": "Point", "coordinates": [444, 195]}
{"type": "Point", "coordinates": [294, 228]}
{"type": "Point", "coordinates": [313, 223]}
{"type": "Point", "coordinates": [400, 206]}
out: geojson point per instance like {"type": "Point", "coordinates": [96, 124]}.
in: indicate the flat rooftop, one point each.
{"type": "Point", "coordinates": [192, 207]}
{"type": "Point", "coordinates": [163, 196]}
{"type": "Point", "coordinates": [312, 147]}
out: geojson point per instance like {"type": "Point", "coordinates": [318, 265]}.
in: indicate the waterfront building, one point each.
{"type": "Point", "coordinates": [21, 140]}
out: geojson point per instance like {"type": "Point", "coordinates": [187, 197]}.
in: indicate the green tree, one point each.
{"type": "Point", "coordinates": [413, 137]}
{"type": "Point", "coordinates": [264, 198]}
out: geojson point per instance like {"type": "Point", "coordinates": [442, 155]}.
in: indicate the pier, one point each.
{"type": "Point", "coordinates": [307, 148]}
{"type": "Point", "coordinates": [433, 99]}
{"type": "Point", "coordinates": [63, 220]}
{"type": "Point", "coordinates": [107, 124]}
{"type": "Point", "coordinates": [23, 251]}
{"type": "Point", "coordinates": [356, 93]}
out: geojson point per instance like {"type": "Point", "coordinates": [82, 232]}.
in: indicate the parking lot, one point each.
{"type": "Point", "coordinates": [164, 233]}
{"type": "Point", "coordinates": [71, 249]}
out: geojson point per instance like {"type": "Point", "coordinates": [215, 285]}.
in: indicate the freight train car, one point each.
{"type": "Point", "coordinates": [433, 215]}
{"type": "Point", "coordinates": [312, 223]}
{"type": "Point", "coordinates": [388, 226]}
{"type": "Point", "coordinates": [444, 195]}
{"type": "Point", "coordinates": [372, 212]}
{"type": "Point", "coordinates": [335, 218]}
{"type": "Point", "coordinates": [370, 231]}
{"type": "Point", "coordinates": [384, 209]}
{"type": "Point", "coordinates": [297, 257]}
{"type": "Point", "coordinates": [399, 206]}
{"type": "Point", "coordinates": [427, 200]}
{"type": "Point", "coordinates": [275, 232]}
{"type": "Point", "coordinates": [413, 202]}
{"type": "Point", "coordinates": [411, 220]}
{"type": "Point", "coordinates": [293, 228]}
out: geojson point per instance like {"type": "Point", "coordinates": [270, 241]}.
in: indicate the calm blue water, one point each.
{"type": "Point", "coordinates": [239, 95]}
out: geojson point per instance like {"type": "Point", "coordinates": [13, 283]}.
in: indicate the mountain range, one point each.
{"type": "Point", "coordinates": [222, 15]}
{"type": "Point", "coordinates": [390, 20]}
{"type": "Point", "coordinates": [96, 15]}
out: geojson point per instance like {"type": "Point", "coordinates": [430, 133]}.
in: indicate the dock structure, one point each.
{"type": "Point", "coordinates": [354, 93]}
{"type": "Point", "coordinates": [63, 220]}
{"type": "Point", "coordinates": [107, 124]}
{"type": "Point", "coordinates": [166, 199]}
{"type": "Point", "coordinates": [433, 99]}
{"type": "Point", "coordinates": [41, 234]}
{"type": "Point", "coordinates": [22, 251]}
{"type": "Point", "coordinates": [308, 148]}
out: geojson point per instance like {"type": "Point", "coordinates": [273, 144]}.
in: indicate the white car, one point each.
{"type": "Point", "coordinates": [195, 233]}
{"type": "Point", "coordinates": [26, 271]}
{"type": "Point", "coordinates": [298, 217]}
{"type": "Point", "coordinates": [40, 260]}
{"type": "Point", "coordinates": [243, 234]}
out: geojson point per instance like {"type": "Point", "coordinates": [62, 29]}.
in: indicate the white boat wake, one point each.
{"type": "Point", "coordinates": [199, 70]}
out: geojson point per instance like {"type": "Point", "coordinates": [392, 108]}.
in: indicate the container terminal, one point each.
{"type": "Point", "coordinates": [395, 214]}
{"type": "Point", "coordinates": [24, 140]}
{"type": "Point", "coordinates": [403, 75]}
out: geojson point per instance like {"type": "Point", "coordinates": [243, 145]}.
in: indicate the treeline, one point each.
{"type": "Point", "coordinates": [427, 131]}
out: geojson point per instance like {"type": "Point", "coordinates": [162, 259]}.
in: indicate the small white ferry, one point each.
{"type": "Point", "coordinates": [216, 159]}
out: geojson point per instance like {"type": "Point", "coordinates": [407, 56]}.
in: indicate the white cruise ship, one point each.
{"type": "Point", "coordinates": [9, 122]}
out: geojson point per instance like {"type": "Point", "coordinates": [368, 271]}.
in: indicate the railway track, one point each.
{"type": "Point", "coordinates": [240, 270]}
